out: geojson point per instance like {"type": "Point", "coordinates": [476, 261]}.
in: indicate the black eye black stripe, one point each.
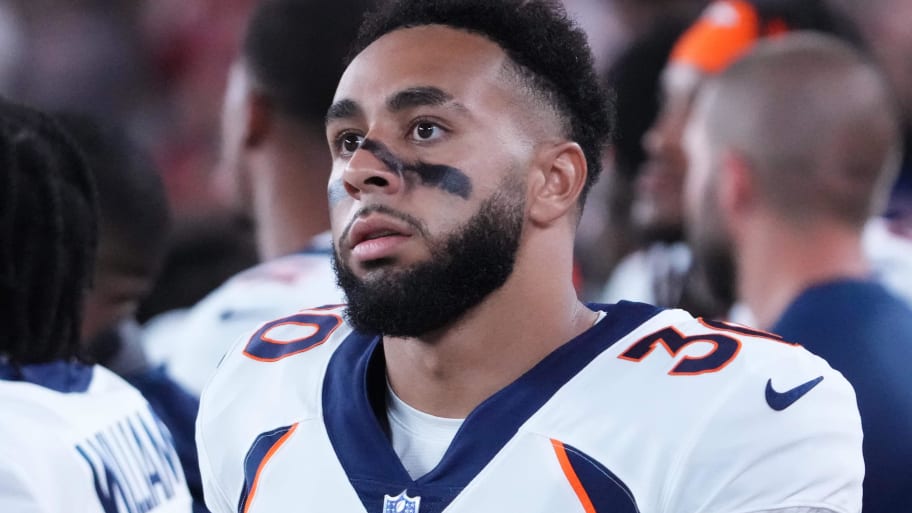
{"type": "Point", "coordinates": [446, 178]}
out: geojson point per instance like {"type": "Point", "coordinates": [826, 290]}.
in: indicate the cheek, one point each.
{"type": "Point", "coordinates": [335, 192]}
{"type": "Point", "coordinates": [340, 214]}
{"type": "Point", "coordinates": [694, 188]}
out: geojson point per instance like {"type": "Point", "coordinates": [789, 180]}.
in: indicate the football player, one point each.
{"type": "Point", "coordinates": [664, 271]}
{"type": "Point", "coordinates": [73, 436]}
{"type": "Point", "coordinates": [464, 374]}
{"type": "Point", "coordinates": [785, 168]}
{"type": "Point", "coordinates": [274, 164]}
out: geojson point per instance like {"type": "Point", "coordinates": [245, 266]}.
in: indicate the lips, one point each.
{"type": "Point", "coordinates": [374, 237]}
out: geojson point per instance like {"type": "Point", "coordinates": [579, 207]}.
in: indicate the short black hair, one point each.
{"type": "Point", "coordinates": [48, 237]}
{"type": "Point", "coordinates": [132, 201]}
{"type": "Point", "coordinates": [296, 52]}
{"type": "Point", "coordinates": [539, 37]}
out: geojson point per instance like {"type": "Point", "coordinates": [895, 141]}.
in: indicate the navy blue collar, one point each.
{"type": "Point", "coordinates": [58, 375]}
{"type": "Point", "coordinates": [365, 451]}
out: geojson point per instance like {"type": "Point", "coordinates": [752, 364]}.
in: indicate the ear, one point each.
{"type": "Point", "coordinates": [737, 187]}
{"type": "Point", "coordinates": [559, 177]}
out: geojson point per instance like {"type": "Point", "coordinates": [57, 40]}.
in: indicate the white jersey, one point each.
{"type": "Point", "coordinates": [648, 411]}
{"type": "Point", "coordinates": [78, 438]}
{"type": "Point", "coordinates": [191, 343]}
{"type": "Point", "coordinates": [652, 275]}
{"type": "Point", "coordinates": [657, 274]}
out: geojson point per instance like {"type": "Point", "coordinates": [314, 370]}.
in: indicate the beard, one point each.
{"type": "Point", "coordinates": [714, 257]}
{"type": "Point", "coordinates": [464, 268]}
{"type": "Point", "coordinates": [717, 264]}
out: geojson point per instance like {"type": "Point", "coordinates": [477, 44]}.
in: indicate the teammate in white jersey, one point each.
{"type": "Point", "coordinates": [78, 438]}
{"type": "Point", "coordinates": [73, 436]}
{"type": "Point", "coordinates": [275, 164]}
{"type": "Point", "coordinates": [464, 375]}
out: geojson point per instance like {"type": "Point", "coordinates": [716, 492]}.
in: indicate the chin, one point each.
{"type": "Point", "coordinates": [397, 298]}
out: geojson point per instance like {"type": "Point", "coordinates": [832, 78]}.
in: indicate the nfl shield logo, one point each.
{"type": "Point", "coordinates": [401, 503]}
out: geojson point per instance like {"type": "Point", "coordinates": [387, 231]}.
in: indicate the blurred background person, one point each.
{"type": "Point", "coordinates": [606, 233]}
{"type": "Point", "coordinates": [888, 238]}
{"type": "Point", "coordinates": [275, 165]}
{"type": "Point", "coordinates": [133, 222]}
{"type": "Point", "coordinates": [662, 271]}
{"type": "Point", "coordinates": [61, 416]}
{"type": "Point", "coordinates": [779, 195]}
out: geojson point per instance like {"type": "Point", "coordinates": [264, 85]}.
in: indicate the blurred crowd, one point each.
{"type": "Point", "coordinates": [155, 68]}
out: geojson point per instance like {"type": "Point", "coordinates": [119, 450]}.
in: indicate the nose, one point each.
{"type": "Point", "coordinates": [372, 169]}
{"type": "Point", "coordinates": [665, 134]}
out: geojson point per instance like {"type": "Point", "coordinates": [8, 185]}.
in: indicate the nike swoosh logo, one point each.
{"type": "Point", "coordinates": [782, 400]}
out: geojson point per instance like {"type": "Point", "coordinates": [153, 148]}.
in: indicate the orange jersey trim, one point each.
{"type": "Point", "coordinates": [571, 476]}
{"type": "Point", "coordinates": [269, 454]}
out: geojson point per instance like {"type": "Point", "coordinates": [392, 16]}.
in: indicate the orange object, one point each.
{"type": "Point", "coordinates": [727, 29]}
{"type": "Point", "coordinates": [561, 452]}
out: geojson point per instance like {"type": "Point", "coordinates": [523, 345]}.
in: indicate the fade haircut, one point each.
{"type": "Point", "coordinates": [47, 237]}
{"type": "Point", "coordinates": [296, 49]}
{"type": "Point", "coordinates": [551, 56]}
{"type": "Point", "coordinates": [814, 149]}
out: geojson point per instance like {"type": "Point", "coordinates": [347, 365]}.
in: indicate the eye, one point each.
{"type": "Point", "coordinates": [426, 131]}
{"type": "Point", "coordinates": [349, 143]}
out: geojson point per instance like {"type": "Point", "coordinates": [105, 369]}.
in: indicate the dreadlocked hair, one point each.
{"type": "Point", "coordinates": [48, 237]}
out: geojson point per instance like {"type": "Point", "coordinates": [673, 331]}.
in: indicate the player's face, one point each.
{"type": "Point", "coordinates": [122, 278]}
{"type": "Point", "coordinates": [427, 188]}
{"type": "Point", "coordinates": [705, 228]}
{"type": "Point", "coordinates": [657, 205]}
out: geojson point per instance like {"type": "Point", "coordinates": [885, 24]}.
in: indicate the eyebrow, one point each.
{"type": "Point", "coordinates": [425, 96]}
{"type": "Point", "coordinates": [342, 109]}
{"type": "Point", "coordinates": [422, 96]}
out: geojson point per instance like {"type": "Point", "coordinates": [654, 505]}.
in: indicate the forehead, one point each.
{"type": "Point", "coordinates": [458, 62]}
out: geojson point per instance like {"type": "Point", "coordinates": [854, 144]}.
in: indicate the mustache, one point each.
{"type": "Point", "coordinates": [415, 223]}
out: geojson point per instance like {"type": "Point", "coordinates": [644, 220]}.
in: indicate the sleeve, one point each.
{"type": "Point", "coordinates": [218, 395]}
{"type": "Point", "coordinates": [753, 455]}
{"type": "Point", "coordinates": [17, 492]}
{"type": "Point", "coordinates": [215, 498]}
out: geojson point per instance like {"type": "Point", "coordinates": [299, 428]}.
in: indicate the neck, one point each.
{"type": "Point", "coordinates": [777, 265]}
{"type": "Point", "coordinates": [451, 372]}
{"type": "Point", "coordinates": [289, 197]}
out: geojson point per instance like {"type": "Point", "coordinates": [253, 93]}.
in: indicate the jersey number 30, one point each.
{"type": "Point", "coordinates": [725, 347]}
